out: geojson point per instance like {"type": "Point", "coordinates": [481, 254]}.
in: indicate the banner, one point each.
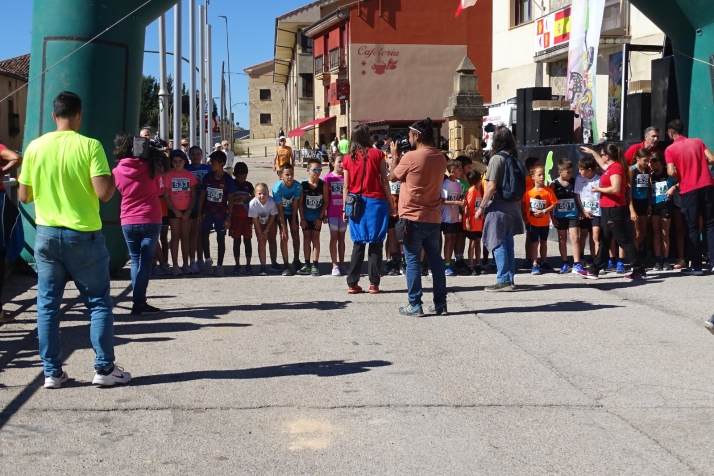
{"type": "Point", "coordinates": [553, 30]}
{"type": "Point", "coordinates": [614, 93]}
{"type": "Point", "coordinates": [585, 26]}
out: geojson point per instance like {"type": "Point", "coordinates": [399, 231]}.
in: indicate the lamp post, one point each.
{"type": "Point", "coordinates": [230, 96]}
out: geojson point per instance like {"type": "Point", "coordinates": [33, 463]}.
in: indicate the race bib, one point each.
{"type": "Point", "coordinates": [566, 205]}
{"type": "Point", "coordinates": [591, 206]}
{"type": "Point", "coordinates": [454, 197]}
{"type": "Point", "coordinates": [286, 202]}
{"type": "Point", "coordinates": [263, 218]}
{"type": "Point", "coordinates": [537, 205]}
{"type": "Point", "coordinates": [642, 180]}
{"type": "Point", "coordinates": [336, 188]}
{"type": "Point", "coordinates": [214, 194]}
{"type": "Point", "coordinates": [313, 202]}
{"type": "Point", "coordinates": [180, 185]}
{"type": "Point", "coordinates": [394, 187]}
{"type": "Point", "coordinates": [660, 188]}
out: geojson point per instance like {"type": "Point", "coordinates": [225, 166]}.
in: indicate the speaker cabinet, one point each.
{"type": "Point", "coordinates": [665, 102]}
{"type": "Point", "coordinates": [547, 125]}
{"type": "Point", "coordinates": [524, 107]}
{"type": "Point", "coordinates": [638, 116]}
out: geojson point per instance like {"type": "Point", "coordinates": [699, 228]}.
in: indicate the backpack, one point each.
{"type": "Point", "coordinates": [513, 185]}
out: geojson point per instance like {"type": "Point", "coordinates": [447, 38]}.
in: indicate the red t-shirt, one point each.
{"type": "Point", "coordinates": [370, 185]}
{"type": "Point", "coordinates": [632, 152]}
{"type": "Point", "coordinates": [2, 164]}
{"type": "Point", "coordinates": [691, 162]}
{"type": "Point", "coordinates": [610, 200]}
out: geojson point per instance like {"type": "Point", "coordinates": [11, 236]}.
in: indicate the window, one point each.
{"type": "Point", "coordinates": [307, 86]}
{"type": "Point", "coordinates": [306, 44]}
{"type": "Point", "coordinates": [265, 119]}
{"type": "Point", "coordinates": [265, 94]}
{"type": "Point", "coordinates": [523, 11]}
{"type": "Point", "coordinates": [13, 119]}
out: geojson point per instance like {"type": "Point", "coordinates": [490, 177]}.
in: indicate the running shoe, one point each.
{"type": "Point", "coordinates": [56, 382]}
{"type": "Point", "coordinates": [658, 267]}
{"type": "Point", "coordinates": [500, 287]}
{"type": "Point", "coordinates": [387, 267]}
{"type": "Point", "coordinates": [403, 268]}
{"type": "Point", "coordinates": [535, 271]}
{"type": "Point", "coordinates": [145, 309]}
{"type": "Point", "coordinates": [247, 270]}
{"type": "Point", "coordinates": [343, 270]}
{"type": "Point", "coordinates": [578, 268]}
{"type": "Point", "coordinates": [667, 266]}
{"type": "Point", "coordinates": [424, 269]}
{"type": "Point", "coordinates": [166, 269]}
{"type": "Point", "coordinates": [218, 271]}
{"type": "Point", "coordinates": [476, 270]}
{"type": "Point", "coordinates": [546, 268]}
{"type": "Point", "coordinates": [587, 274]}
{"type": "Point", "coordinates": [373, 289]}
{"type": "Point", "coordinates": [276, 268]}
{"type": "Point", "coordinates": [636, 275]}
{"type": "Point", "coordinates": [5, 317]}
{"type": "Point", "coordinates": [709, 325]}
{"type": "Point", "coordinates": [565, 269]}
{"type": "Point", "coordinates": [194, 268]}
{"type": "Point", "coordinates": [439, 311]}
{"type": "Point", "coordinates": [304, 271]}
{"type": "Point", "coordinates": [186, 269]}
{"type": "Point", "coordinates": [415, 311]}
{"type": "Point", "coordinates": [287, 271]}
{"type": "Point", "coordinates": [448, 271]}
{"type": "Point", "coordinates": [176, 271]}
{"type": "Point", "coordinates": [356, 289]}
{"type": "Point", "coordinates": [297, 263]}
{"type": "Point", "coordinates": [314, 271]}
{"type": "Point", "coordinates": [620, 269]}
{"type": "Point", "coordinates": [680, 264]}
{"type": "Point", "coordinates": [157, 271]}
{"type": "Point", "coordinates": [692, 272]}
{"type": "Point", "coordinates": [526, 264]}
{"type": "Point", "coordinates": [208, 266]}
{"type": "Point", "coordinates": [394, 271]}
{"type": "Point", "coordinates": [200, 264]}
{"type": "Point", "coordinates": [336, 271]}
{"type": "Point", "coordinates": [236, 270]}
{"type": "Point", "coordinates": [116, 376]}
{"type": "Point", "coordinates": [263, 270]}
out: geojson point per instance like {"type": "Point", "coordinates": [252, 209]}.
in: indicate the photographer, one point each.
{"type": "Point", "coordinates": [140, 216]}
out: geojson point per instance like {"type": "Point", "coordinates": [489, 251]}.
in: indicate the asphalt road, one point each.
{"type": "Point", "coordinates": [291, 375]}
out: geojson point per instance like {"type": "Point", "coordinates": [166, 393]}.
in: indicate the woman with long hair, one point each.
{"type": "Point", "coordinates": [365, 174]}
{"type": "Point", "coordinates": [615, 213]}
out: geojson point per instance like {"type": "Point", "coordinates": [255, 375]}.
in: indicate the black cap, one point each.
{"type": "Point", "coordinates": [178, 153]}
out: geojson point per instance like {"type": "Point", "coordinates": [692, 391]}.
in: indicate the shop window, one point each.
{"type": "Point", "coordinates": [265, 119]}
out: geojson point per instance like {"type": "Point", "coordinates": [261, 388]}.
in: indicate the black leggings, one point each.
{"type": "Point", "coordinates": [614, 223]}
{"type": "Point", "coordinates": [248, 249]}
{"type": "Point", "coordinates": [374, 263]}
{"type": "Point", "coordinates": [205, 239]}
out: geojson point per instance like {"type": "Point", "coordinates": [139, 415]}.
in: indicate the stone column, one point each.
{"type": "Point", "coordinates": [465, 113]}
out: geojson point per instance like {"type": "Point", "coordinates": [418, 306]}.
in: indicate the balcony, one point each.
{"type": "Point", "coordinates": [320, 70]}
{"type": "Point", "coordinates": [338, 60]}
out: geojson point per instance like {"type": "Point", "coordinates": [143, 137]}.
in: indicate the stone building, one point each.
{"type": "Point", "coordinates": [266, 101]}
{"type": "Point", "coordinates": [14, 74]}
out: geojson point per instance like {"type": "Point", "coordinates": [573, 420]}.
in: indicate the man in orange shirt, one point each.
{"type": "Point", "coordinates": [283, 155]}
{"type": "Point", "coordinates": [538, 202]}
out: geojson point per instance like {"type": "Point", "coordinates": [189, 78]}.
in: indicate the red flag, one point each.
{"type": "Point", "coordinates": [464, 4]}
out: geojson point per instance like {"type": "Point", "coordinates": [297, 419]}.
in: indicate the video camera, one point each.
{"type": "Point", "coordinates": [153, 151]}
{"type": "Point", "coordinates": [402, 141]}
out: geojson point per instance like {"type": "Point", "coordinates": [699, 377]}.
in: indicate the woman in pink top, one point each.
{"type": "Point", "coordinates": [180, 195]}
{"type": "Point", "coordinates": [140, 217]}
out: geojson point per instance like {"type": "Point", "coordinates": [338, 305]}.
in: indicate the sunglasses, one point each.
{"type": "Point", "coordinates": [316, 170]}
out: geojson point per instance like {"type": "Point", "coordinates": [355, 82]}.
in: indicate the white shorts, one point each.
{"type": "Point", "coordinates": [337, 224]}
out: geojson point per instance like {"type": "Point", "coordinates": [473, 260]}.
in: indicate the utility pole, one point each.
{"type": "Point", "coordinates": [209, 88]}
{"type": "Point", "coordinates": [202, 83]}
{"type": "Point", "coordinates": [230, 91]}
{"type": "Point", "coordinates": [192, 72]}
{"type": "Point", "coordinates": [163, 93]}
{"type": "Point", "coordinates": [177, 76]}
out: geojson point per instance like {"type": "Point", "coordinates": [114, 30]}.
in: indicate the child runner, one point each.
{"type": "Point", "coordinates": [640, 204]}
{"type": "Point", "coordinates": [663, 188]}
{"type": "Point", "coordinates": [162, 247]}
{"type": "Point", "coordinates": [241, 224]}
{"type": "Point", "coordinates": [460, 245]}
{"type": "Point", "coordinates": [335, 181]}
{"type": "Point", "coordinates": [180, 195]}
{"type": "Point", "coordinates": [262, 211]}
{"type": "Point", "coordinates": [530, 163]}
{"type": "Point", "coordinates": [538, 202]}
{"type": "Point", "coordinates": [313, 209]}
{"type": "Point", "coordinates": [472, 226]}
{"type": "Point", "coordinates": [195, 244]}
{"type": "Point", "coordinates": [215, 208]}
{"type": "Point", "coordinates": [287, 194]}
{"type": "Point", "coordinates": [565, 216]}
{"type": "Point", "coordinates": [589, 207]}
{"type": "Point", "coordinates": [451, 193]}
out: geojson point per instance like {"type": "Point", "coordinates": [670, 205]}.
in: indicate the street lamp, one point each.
{"type": "Point", "coordinates": [230, 96]}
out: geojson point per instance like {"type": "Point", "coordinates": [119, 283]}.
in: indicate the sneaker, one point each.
{"type": "Point", "coordinates": [666, 266]}
{"type": "Point", "coordinates": [403, 268]}
{"type": "Point", "coordinates": [314, 271]}
{"type": "Point", "coordinates": [343, 270]}
{"type": "Point", "coordinates": [56, 382]}
{"type": "Point", "coordinates": [428, 272]}
{"type": "Point", "coordinates": [218, 271]}
{"type": "Point", "coordinates": [200, 264]}
{"type": "Point", "coordinates": [424, 269]}
{"type": "Point", "coordinates": [276, 268]}
{"type": "Point", "coordinates": [373, 289]}
{"type": "Point", "coordinates": [448, 272]}
{"type": "Point", "coordinates": [194, 268]}
{"type": "Point", "coordinates": [636, 275]}
{"type": "Point", "coordinates": [578, 268]}
{"type": "Point", "coordinates": [4, 317]}
{"type": "Point", "coordinates": [476, 270]}
{"type": "Point", "coordinates": [500, 287]}
{"type": "Point", "coordinates": [710, 326]}
{"type": "Point", "coordinates": [410, 310]}
{"type": "Point", "coordinates": [157, 271]}
{"type": "Point", "coordinates": [587, 274]}
{"type": "Point", "coordinates": [287, 271]}
{"type": "Point", "coordinates": [387, 267]}
{"type": "Point", "coordinates": [441, 311]}
{"type": "Point", "coordinates": [236, 270]}
{"type": "Point", "coordinates": [692, 272]}
{"type": "Point", "coordinates": [176, 271]}
{"type": "Point", "coordinates": [546, 268]}
{"type": "Point", "coordinates": [304, 271]}
{"type": "Point", "coordinates": [535, 270]}
{"type": "Point", "coordinates": [186, 269]}
{"type": "Point", "coordinates": [680, 264]}
{"type": "Point", "coordinates": [247, 270]}
{"type": "Point", "coordinates": [336, 271]}
{"type": "Point", "coordinates": [610, 266]}
{"type": "Point", "coordinates": [394, 271]}
{"type": "Point", "coordinates": [297, 263]}
{"type": "Point", "coordinates": [166, 269]}
{"type": "Point", "coordinates": [117, 375]}
{"type": "Point", "coordinates": [526, 264]}
{"type": "Point", "coordinates": [565, 269]}
{"type": "Point", "coordinates": [620, 268]}
{"type": "Point", "coordinates": [145, 309]}
{"type": "Point", "coordinates": [356, 289]}
{"type": "Point", "coordinates": [658, 267]}
{"type": "Point", "coordinates": [208, 266]}
{"type": "Point", "coordinates": [263, 270]}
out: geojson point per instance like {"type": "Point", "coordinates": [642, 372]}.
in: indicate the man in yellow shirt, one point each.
{"type": "Point", "coordinates": [283, 155]}
{"type": "Point", "coordinates": [66, 174]}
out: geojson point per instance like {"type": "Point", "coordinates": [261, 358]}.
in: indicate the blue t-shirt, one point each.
{"type": "Point", "coordinates": [640, 184]}
{"type": "Point", "coordinates": [660, 184]}
{"type": "Point", "coordinates": [284, 196]}
{"type": "Point", "coordinates": [198, 172]}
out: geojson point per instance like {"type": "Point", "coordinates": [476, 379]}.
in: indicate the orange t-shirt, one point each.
{"type": "Point", "coordinates": [473, 201]}
{"type": "Point", "coordinates": [538, 200]}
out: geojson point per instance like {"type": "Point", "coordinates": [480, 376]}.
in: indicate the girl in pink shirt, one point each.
{"type": "Point", "coordinates": [335, 180]}
{"type": "Point", "coordinates": [180, 195]}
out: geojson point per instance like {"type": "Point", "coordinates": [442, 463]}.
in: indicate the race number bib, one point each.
{"type": "Point", "coordinates": [263, 218]}
{"type": "Point", "coordinates": [454, 197]}
{"type": "Point", "coordinates": [660, 189]}
{"type": "Point", "coordinates": [642, 180]}
{"type": "Point", "coordinates": [180, 185]}
{"type": "Point", "coordinates": [287, 203]}
{"type": "Point", "coordinates": [537, 205]}
{"type": "Point", "coordinates": [336, 188]}
{"type": "Point", "coordinates": [214, 195]}
{"type": "Point", "coordinates": [313, 202]}
{"type": "Point", "coordinates": [591, 206]}
{"type": "Point", "coordinates": [394, 187]}
{"type": "Point", "coordinates": [566, 205]}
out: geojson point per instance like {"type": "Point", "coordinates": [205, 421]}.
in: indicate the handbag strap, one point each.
{"type": "Point", "coordinates": [364, 173]}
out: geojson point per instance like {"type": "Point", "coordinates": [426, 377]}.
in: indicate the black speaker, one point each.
{"type": "Point", "coordinates": [547, 125]}
{"type": "Point", "coordinates": [665, 102]}
{"type": "Point", "coordinates": [638, 116]}
{"type": "Point", "coordinates": [524, 107]}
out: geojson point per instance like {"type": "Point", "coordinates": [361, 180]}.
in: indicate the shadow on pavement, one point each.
{"type": "Point", "coordinates": [293, 306]}
{"type": "Point", "coordinates": [563, 306]}
{"type": "Point", "coordinates": [331, 368]}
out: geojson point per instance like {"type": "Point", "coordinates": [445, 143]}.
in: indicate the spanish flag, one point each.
{"type": "Point", "coordinates": [561, 28]}
{"type": "Point", "coordinates": [464, 4]}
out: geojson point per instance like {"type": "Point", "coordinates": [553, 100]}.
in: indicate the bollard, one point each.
{"type": "Point", "coordinates": [249, 152]}
{"type": "Point", "coordinates": [266, 151]}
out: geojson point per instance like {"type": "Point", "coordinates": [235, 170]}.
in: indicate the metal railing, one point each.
{"type": "Point", "coordinates": [337, 59]}
{"type": "Point", "coordinates": [320, 64]}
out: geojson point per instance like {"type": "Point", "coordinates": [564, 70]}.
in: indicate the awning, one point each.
{"type": "Point", "coordinates": [300, 131]}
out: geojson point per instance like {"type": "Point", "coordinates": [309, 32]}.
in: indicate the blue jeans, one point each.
{"type": "Point", "coordinates": [504, 255]}
{"type": "Point", "coordinates": [424, 236]}
{"type": "Point", "coordinates": [59, 254]}
{"type": "Point", "coordinates": [141, 241]}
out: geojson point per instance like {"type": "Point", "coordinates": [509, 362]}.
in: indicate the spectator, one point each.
{"type": "Point", "coordinates": [283, 155]}
{"type": "Point", "coordinates": [146, 133]}
{"type": "Point", "coordinates": [421, 173]}
{"type": "Point", "coordinates": [650, 143]}
{"type": "Point", "coordinates": [230, 157]}
{"type": "Point", "coordinates": [344, 145]}
{"type": "Point", "coordinates": [184, 146]}
{"type": "Point", "coordinates": [65, 174]}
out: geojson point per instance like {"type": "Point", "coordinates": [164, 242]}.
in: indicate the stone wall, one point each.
{"type": "Point", "coordinates": [272, 106]}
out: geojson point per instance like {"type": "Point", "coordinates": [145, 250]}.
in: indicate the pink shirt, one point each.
{"type": "Point", "coordinates": [335, 183]}
{"type": "Point", "coordinates": [139, 193]}
{"type": "Point", "coordinates": [691, 162]}
{"type": "Point", "coordinates": [179, 185]}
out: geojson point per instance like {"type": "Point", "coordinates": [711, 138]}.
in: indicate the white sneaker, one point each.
{"type": "Point", "coordinates": [709, 326]}
{"type": "Point", "coordinates": [336, 271]}
{"type": "Point", "coordinates": [208, 266]}
{"type": "Point", "coordinates": [218, 271]}
{"type": "Point", "coordinates": [194, 268]}
{"type": "Point", "coordinates": [117, 375]}
{"type": "Point", "coordinates": [166, 269]}
{"type": "Point", "coordinates": [56, 382]}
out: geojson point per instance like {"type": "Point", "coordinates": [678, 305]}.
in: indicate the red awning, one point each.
{"type": "Point", "coordinates": [300, 131]}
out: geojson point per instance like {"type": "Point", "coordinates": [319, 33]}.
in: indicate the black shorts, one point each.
{"type": "Point", "coordinates": [474, 235]}
{"type": "Point", "coordinates": [589, 223]}
{"type": "Point", "coordinates": [663, 209]}
{"type": "Point", "coordinates": [391, 222]}
{"type": "Point", "coordinates": [450, 228]}
{"type": "Point", "coordinates": [194, 214]}
{"type": "Point", "coordinates": [567, 223]}
{"type": "Point", "coordinates": [288, 220]}
{"type": "Point", "coordinates": [538, 233]}
{"type": "Point", "coordinates": [640, 207]}
{"type": "Point", "coordinates": [165, 220]}
{"type": "Point", "coordinates": [311, 225]}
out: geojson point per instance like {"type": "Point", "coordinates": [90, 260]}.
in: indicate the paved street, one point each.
{"type": "Point", "coordinates": [276, 375]}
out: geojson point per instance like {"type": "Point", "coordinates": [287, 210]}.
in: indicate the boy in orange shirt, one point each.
{"type": "Point", "coordinates": [472, 226]}
{"type": "Point", "coordinates": [538, 203]}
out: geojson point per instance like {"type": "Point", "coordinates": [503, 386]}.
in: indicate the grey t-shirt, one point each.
{"type": "Point", "coordinates": [496, 169]}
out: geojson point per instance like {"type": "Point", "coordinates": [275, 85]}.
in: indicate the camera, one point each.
{"type": "Point", "coordinates": [152, 151]}
{"type": "Point", "coordinates": [402, 141]}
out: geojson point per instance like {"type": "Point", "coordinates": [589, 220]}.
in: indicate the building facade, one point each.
{"type": "Point", "coordinates": [266, 101]}
{"type": "Point", "coordinates": [14, 74]}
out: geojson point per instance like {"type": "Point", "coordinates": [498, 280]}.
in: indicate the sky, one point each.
{"type": "Point", "coordinates": [251, 34]}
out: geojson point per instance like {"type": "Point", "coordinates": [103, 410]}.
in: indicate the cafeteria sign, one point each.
{"type": "Point", "coordinates": [553, 30]}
